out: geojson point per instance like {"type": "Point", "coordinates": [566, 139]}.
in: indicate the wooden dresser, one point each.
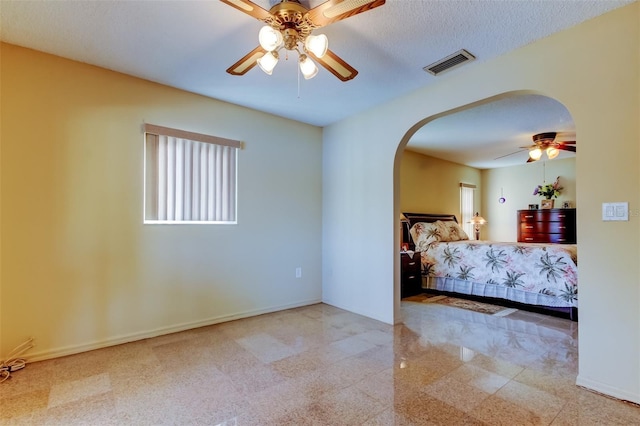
{"type": "Point", "coordinates": [547, 226]}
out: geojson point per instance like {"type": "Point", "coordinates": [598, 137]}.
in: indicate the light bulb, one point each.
{"type": "Point", "coordinates": [308, 68]}
{"type": "Point", "coordinates": [317, 44]}
{"type": "Point", "coordinates": [535, 154]}
{"type": "Point", "coordinates": [552, 152]}
{"type": "Point", "coordinates": [268, 62]}
{"type": "Point", "coordinates": [269, 38]}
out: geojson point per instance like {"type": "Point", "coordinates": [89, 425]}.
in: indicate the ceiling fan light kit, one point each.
{"type": "Point", "coordinates": [547, 143]}
{"type": "Point", "coordinates": [552, 152]}
{"type": "Point", "coordinates": [535, 154]}
{"type": "Point", "coordinates": [269, 38]}
{"type": "Point", "coordinates": [289, 26]}
{"type": "Point", "coordinates": [318, 44]}
{"type": "Point", "coordinates": [307, 67]}
{"type": "Point", "coordinates": [268, 62]}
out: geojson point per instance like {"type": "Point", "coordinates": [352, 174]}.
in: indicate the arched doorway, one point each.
{"type": "Point", "coordinates": [430, 171]}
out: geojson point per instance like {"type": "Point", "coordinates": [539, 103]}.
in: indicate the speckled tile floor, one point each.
{"type": "Point", "coordinates": [320, 365]}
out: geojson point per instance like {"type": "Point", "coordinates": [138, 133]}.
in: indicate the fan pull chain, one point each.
{"type": "Point", "coordinates": [299, 72]}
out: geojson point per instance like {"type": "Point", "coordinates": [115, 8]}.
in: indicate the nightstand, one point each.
{"type": "Point", "coordinates": [410, 274]}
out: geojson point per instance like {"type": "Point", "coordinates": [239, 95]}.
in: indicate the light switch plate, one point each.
{"type": "Point", "coordinates": [615, 211]}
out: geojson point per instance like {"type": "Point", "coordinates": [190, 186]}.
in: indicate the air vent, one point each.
{"type": "Point", "coordinates": [451, 61]}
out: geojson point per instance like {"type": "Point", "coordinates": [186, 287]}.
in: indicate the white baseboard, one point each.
{"type": "Point", "coordinates": [355, 310]}
{"type": "Point", "coordinates": [118, 340]}
{"type": "Point", "coordinates": [608, 390]}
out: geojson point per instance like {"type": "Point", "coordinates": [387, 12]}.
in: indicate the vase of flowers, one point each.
{"type": "Point", "coordinates": [549, 190]}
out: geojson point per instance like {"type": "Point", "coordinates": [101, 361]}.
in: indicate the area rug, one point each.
{"type": "Point", "coordinates": [419, 297]}
{"type": "Point", "coordinates": [470, 305]}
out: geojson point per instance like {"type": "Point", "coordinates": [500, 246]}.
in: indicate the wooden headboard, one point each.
{"type": "Point", "coordinates": [413, 218]}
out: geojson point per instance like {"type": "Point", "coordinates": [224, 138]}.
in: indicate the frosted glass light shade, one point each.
{"type": "Point", "coordinates": [268, 62]}
{"type": "Point", "coordinates": [269, 38]}
{"type": "Point", "coordinates": [317, 44]}
{"type": "Point", "coordinates": [535, 154]}
{"type": "Point", "coordinates": [478, 220]}
{"type": "Point", "coordinates": [552, 152]}
{"type": "Point", "coordinates": [308, 68]}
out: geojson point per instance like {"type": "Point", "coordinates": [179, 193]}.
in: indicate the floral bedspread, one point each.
{"type": "Point", "coordinates": [549, 269]}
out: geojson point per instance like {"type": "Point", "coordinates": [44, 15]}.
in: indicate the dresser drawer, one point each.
{"type": "Point", "coordinates": [546, 238]}
{"type": "Point", "coordinates": [550, 215]}
{"type": "Point", "coordinates": [529, 216]}
{"type": "Point", "coordinates": [410, 263]}
{"type": "Point", "coordinates": [543, 227]}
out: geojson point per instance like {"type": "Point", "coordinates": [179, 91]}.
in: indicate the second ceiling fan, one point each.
{"type": "Point", "coordinates": [289, 25]}
{"type": "Point", "coordinates": [545, 143]}
{"type": "Point", "coordinates": [548, 143]}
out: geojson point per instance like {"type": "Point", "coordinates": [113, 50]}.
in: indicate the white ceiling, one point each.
{"type": "Point", "coordinates": [190, 44]}
{"type": "Point", "coordinates": [494, 134]}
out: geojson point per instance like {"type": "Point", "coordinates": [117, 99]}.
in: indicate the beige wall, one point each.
{"type": "Point", "coordinates": [431, 185]}
{"type": "Point", "coordinates": [605, 104]}
{"type": "Point", "coordinates": [80, 270]}
{"type": "Point", "coordinates": [517, 184]}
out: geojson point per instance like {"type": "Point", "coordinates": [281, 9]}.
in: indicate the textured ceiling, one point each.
{"type": "Point", "coordinates": [190, 44]}
{"type": "Point", "coordinates": [494, 134]}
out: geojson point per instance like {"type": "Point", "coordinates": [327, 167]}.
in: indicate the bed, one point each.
{"type": "Point", "coordinates": [533, 276]}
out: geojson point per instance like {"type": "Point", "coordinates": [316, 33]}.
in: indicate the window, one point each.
{"type": "Point", "coordinates": [466, 208]}
{"type": "Point", "coordinates": [189, 177]}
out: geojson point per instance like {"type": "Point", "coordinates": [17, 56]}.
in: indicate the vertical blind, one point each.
{"type": "Point", "coordinates": [189, 177]}
{"type": "Point", "coordinates": [466, 208]}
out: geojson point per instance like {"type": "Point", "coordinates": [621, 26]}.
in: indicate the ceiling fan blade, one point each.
{"type": "Point", "coordinates": [248, 7]}
{"type": "Point", "coordinates": [530, 160]}
{"type": "Point", "coordinates": [336, 10]}
{"type": "Point", "coordinates": [335, 65]}
{"type": "Point", "coordinates": [247, 62]}
{"type": "Point", "coordinates": [567, 148]}
{"type": "Point", "coordinates": [506, 155]}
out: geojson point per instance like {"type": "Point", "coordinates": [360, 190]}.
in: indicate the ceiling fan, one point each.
{"type": "Point", "coordinates": [289, 25]}
{"type": "Point", "coordinates": [546, 143]}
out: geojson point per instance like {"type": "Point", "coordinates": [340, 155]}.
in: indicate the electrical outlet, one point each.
{"type": "Point", "coordinates": [298, 272]}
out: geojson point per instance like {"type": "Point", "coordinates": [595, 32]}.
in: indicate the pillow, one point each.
{"type": "Point", "coordinates": [451, 231]}
{"type": "Point", "coordinates": [424, 234]}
